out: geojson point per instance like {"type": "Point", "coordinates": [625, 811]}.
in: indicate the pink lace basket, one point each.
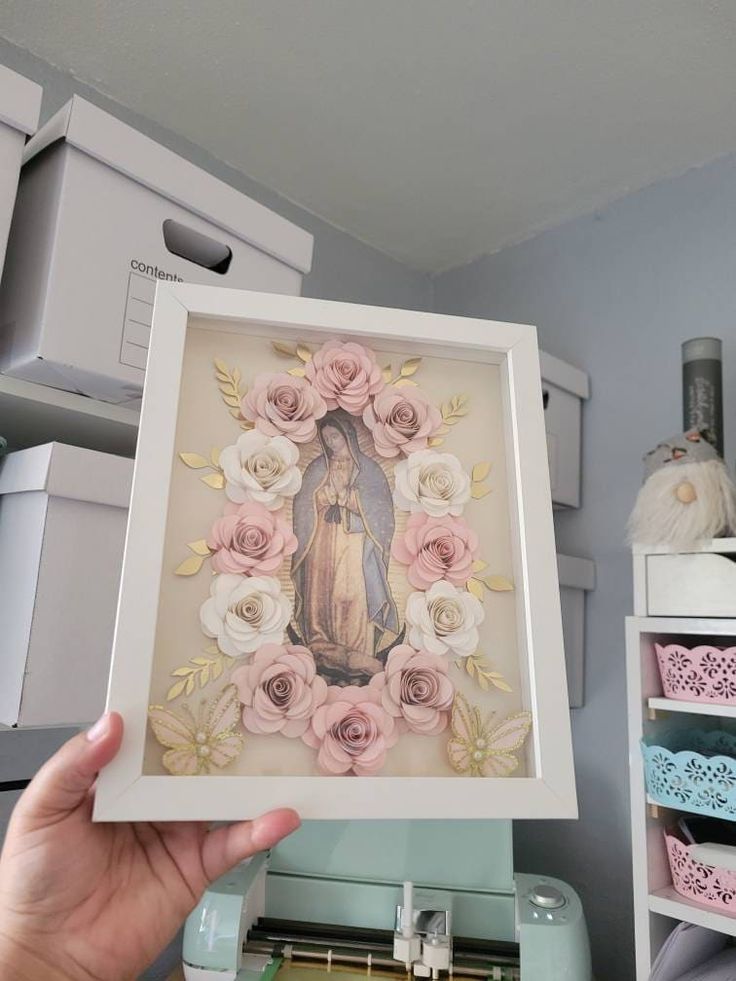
{"type": "Point", "coordinates": [705, 884]}
{"type": "Point", "coordinates": [698, 674]}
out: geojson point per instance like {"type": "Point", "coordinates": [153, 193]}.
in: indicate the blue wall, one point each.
{"type": "Point", "coordinates": [615, 293]}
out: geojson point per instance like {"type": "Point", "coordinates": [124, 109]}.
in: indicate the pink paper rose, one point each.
{"type": "Point", "coordinates": [436, 548]}
{"type": "Point", "coordinates": [280, 690]}
{"type": "Point", "coordinates": [284, 405]}
{"type": "Point", "coordinates": [401, 420]}
{"type": "Point", "coordinates": [352, 732]}
{"type": "Point", "coordinates": [416, 690]}
{"type": "Point", "coordinates": [345, 375]}
{"type": "Point", "coordinates": [250, 540]}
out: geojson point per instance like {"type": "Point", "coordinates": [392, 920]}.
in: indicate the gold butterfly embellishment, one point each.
{"type": "Point", "coordinates": [199, 740]}
{"type": "Point", "coordinates": [478, 749]}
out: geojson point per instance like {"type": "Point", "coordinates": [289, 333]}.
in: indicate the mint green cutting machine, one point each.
{"type": "Point", "coordinates": [332, 898]}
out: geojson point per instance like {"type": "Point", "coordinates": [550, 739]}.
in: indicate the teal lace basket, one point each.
{"type": "Point", "coordinates": [693, 770]}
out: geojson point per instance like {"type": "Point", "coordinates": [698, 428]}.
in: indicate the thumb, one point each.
{"type": "Point", "coordinates": [64, 781]}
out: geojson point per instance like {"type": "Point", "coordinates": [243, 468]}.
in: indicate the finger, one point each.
{"type": "Point", "coordinates": [64, 781]}
{"type": "Point", "coordinates": [225, 847]}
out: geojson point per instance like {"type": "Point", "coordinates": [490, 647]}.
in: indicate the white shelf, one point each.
{"type": "Point", "coordinates": [692, 708]}
{"type": "Point", "coordinates": [31, 414]}
{"type": "Point", "coordinates": [668, 903]}
{"type": "Point", "coordinates": [711, 626]}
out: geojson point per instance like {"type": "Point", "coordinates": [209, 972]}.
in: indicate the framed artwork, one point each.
{"type": "Point", "coordinates": [339, 590]}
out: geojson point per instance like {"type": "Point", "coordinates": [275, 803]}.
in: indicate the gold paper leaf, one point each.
{"type": "Point", "coordinates": [481, 471]}
{"type": "Point", "coordinates": [500, 683]}
{"type": "Point", "coordinates": [435, 441]}
{"type": "Point", "coordinates": [409, 367]}
{"type": "Point", "coordinates": [189, 686]}
{"type": "Point", "coordinates": [297, 372]}
{"type": "Point", "coordinates": [193, 460]}
{"type": "Point", "coordinates": [175, 690]}
{"type": "Point", "coordinates": [215, 456]}
{"type": "Point", "coordinates": [443, 430]}
{"type": "Point", "coordinates": [482, 681]}
{"type": "Point", "coordinates": [285, 349]}
{"type": "Point", "coordinates": [247, 425]}
{"type": "Point", "coordinates": [303, 353]}
{"type": "Point", "coordinates": [479, 565]}
{"type": "Point", "coordinates": [199, 547]}
{"type": "Point", "coordinates": [217, 667]}
{"type": "Point", "coordinates": [215, 480]}
{"type": "Point", "coordinates": [475, 587]}
{"type": "Point", "coordinates": [499, 584]}
{"type": "Point", "coordinates": [212, 649]}
{"type": "Point", "coordinates": [232, 400]}
{"type": "Point", "coordinates": [199, 661]}
{"type": "Point", "coordinates": [470, 666]}
{"type": "Point", "coordinates": [236, 376]}
{"type": "Point", "coordinates": [404, 381]}
{"type": "Point", "coordinates": [190, 566]}
{"type": "Point", "coordinates": [221, 366]}
{"type": "Point", "coordinates": [477, 491]}
{"type": "Point", "coordinates": [181, 672]}
{"type": "Point", "coordinates": [204, 676]}
{"type": "Point", "coordinates": [387, 374]}
{"type": "Point", "coordinates": [235, 413]}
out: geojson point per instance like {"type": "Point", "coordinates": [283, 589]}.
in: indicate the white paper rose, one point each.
{"type": "Point", "coordinates": [444, 620]}
{"type": "Point", "coordinates": [431, 482]}
{"type": "Point", "coordinates": [261, 468]}
{"type": "Point", "coordinates": [245, 612]}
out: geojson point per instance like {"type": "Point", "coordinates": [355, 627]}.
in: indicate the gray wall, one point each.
{"type": "Point", "coordinates": [614, 293]}
{"type": "Point", "coordinates": [344, 268]}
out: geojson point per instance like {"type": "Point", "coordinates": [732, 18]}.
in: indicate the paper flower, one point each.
{"type": "Point", "coordinates": [250, 540]}
{"type": "Point", "coordinates": [436, 548]}
{"type": "Point", "coordinates": [345, 375]}
{"type": "Point", "coordinates": [200, 741]}
{"type": "Point", "coordinates": [416, 690]}
{"type": "Point", "coordinates": [243, 613]}
{"type": "Point", "coordinates": [401, 420]}
{"type": "Point", "coordinates": [352, 732]}
{"type": "Point", "coordinates": [280, 690]}
{"type": "Point", "coordinates": [444, 620]}
{"type": "Point", "coordinates": [261, 468]}
{"type": "Point", "coordinates": [283, 405]}
{"type": "Point", "coordinates": [431, 482]}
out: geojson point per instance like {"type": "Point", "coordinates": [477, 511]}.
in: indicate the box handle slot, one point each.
{"type": "Point", "coordinates": [197, 248]}
{"type": "Point", "coordinates": [545, 397]}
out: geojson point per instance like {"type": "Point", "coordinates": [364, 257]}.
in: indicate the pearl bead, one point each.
{"type": "Point", "coordinates": [201, 737]}
{"type": "Point", "coordinates": [477, 755]}
{"type": "Point", "coordinates": [203, 750]}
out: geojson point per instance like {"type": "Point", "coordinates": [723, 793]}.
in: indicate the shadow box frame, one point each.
{"type": "Point", "coordinates": [125, 793]}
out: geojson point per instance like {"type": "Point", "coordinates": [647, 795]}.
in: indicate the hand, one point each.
{"type": "Point", "coordinates": [86, 902]}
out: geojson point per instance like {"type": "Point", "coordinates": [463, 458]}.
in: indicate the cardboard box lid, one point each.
{"type": "Point", "coordinates": [564, 375]}
{"type": "Point", "coordinates": [123, 148]}
{"type": "Point", "coordinates": [20, 101]}
{"type": "Point", "coordinates": [576, 572]}
{"type": "Point", "coordinates": [68, 471]}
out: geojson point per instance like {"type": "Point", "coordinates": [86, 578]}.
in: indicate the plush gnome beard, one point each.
{"type": "Point", "coordinates": [688, 495]}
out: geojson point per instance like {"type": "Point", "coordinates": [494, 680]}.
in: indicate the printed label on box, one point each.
{"type": "Point", "coordinates": [137, 322]}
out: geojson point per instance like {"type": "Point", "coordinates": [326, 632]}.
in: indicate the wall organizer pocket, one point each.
{"type": "Point", "coordinates": [693, 770]}
{"type": "Point", "coordinates": [339, 569]}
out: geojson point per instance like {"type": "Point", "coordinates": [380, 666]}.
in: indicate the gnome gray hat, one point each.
{"type": "Point", "coordinates": [688, 494]}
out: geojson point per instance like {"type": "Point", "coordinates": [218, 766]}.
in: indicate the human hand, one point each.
{"type": "Point", "coordinates": [98, 902]}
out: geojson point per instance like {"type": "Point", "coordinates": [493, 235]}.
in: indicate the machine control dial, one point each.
{"type": "Point", "coordinates": [547, 897]}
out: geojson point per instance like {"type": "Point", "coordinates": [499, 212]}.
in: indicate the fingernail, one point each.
{"type": "Point", "coordinates": [99, 730]}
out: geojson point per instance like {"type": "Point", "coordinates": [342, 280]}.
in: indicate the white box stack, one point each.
{"type": "Point", "coordinates": [20, 104]}
{"type": "Point", "coordinates": [103, 213]}
{"type": "Point", "coordinates": [563, 389]}
{"type": "Point", "coordinates": [63, 514]}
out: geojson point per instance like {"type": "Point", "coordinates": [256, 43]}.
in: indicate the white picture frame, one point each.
{"type": "Point", "coordinates": [124, 792]}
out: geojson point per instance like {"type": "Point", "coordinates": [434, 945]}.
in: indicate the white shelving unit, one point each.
{"type": "Point", "coordinates": [657, 907]}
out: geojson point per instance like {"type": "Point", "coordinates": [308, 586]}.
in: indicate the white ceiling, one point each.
{"type": "Point", "coordinates": [433, 129]}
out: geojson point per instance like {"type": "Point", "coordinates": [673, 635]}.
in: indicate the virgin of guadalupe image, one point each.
{"type": "Point", "coordinates": [344, 610]}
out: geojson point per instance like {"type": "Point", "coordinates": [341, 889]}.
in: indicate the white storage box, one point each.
{"type": "Point", "coordinates": [103, 212]}
{"type": "Point", "coordinates": [20, 104]}
{"type": "Point", "coordinates": [577, 577]}
{"type": "Point", "coordinates": [698, 583]}
{"type": "Point", "coordinates": [563, 389]}
{"type": "Point", "coordinates": [63, 514]}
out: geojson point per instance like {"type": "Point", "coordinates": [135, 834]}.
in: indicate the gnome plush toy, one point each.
{"type": "Point", "coordinates": [688, 494]}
